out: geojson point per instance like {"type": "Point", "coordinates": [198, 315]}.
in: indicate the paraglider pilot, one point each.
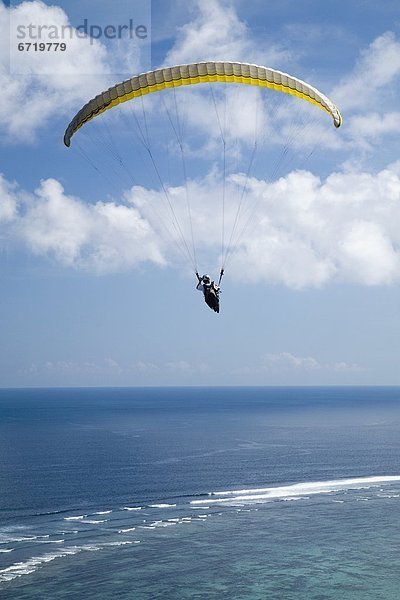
{"type": "Point", "coordinates": [210, 291]}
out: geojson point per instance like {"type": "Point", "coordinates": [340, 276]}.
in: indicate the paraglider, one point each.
{"type": "Point", "coordinates": [212, 72]}
{"type": "Point", "coordinates": [210, 290]}
{"type": "Point", "coordinates": [228, 72]}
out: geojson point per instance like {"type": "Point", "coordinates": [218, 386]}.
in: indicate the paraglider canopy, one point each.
{"type": "Point", "coordinates": [227, 72]}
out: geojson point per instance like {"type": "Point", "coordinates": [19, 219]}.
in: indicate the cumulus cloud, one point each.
{"type": "Point", "coordinates": [374, 125]}
{"type": "Point", "coordinates": [346, 367]}
{"type": "Point", "coordinates": [234, 114]}
{"type": "Point", "coordinates": [217, 33]}
{"type": "Point", "coordinates": [376, 70]}
{"type": "Point", "coordinates": [101, 237]}
{"type": "Point", "coordinates": [8, 201]}
{"type": "Point", "coordinates": [367, 95]}
{"type": "Point", "coordinates": [299, 230]}
{"type": "Point", "coordinates": [285, 362]}
{"type": "Point", "coordinates": [184, 367]}
{"type": "Point", "coordinates": [117, 370]}
{"type": "Point", "coordinates": [107, 365]}
{"type": "Point", "coordinates": [38, 86]}
{"type": "Point", "coordinates": [369, 254]}
{"type": "Point", "coordinates": [52, 82]}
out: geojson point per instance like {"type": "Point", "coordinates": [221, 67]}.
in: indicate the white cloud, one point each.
{"type": "Point", "coordinates": [8, 202]}
{"type": "Point", "coordinates": [377, 68]}
{"type": "Point", "coordinates": [41, 85]}
{"type": "Point", "coordinates": [303, 231]}
{"type": "Point", "coordinates": [179, 367]}
{"type": "Point", "coordinates": [183, 366]}
{"type": "Point", "coordinates": [217, 33]}
{"type": "Point", "coordinates": [236, 114]}
{"type": "Point", "coordinates": [107, 366]}
{"type": "Point", "coordinates": [369, 254]}
{"type": "Point", "coordinates": [111, 368]}
{"type": "Point", "coordinates": [368, 96]}
{"type": "Point", "coordinates": [286, 360]}
{"type": "Point", "coordinates": [62, 366]}
{"type": "Point", "coordinates": [102, 237]}
{"type": "Point", "coordinates": [374, 125]}
{"type": "Point", "coordinates": [314, 231]}
{"type": "Point", "coordinates": [146, 367]}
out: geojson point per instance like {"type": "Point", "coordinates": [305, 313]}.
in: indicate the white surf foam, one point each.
{"type": "Point", "coordinates": [111, 544]}
{"type": "Point", "coordinates": [70, 532]}
{"type": "Point", "coordinates": [295, 490]}
{"type": "Point", "coordinates": [9, 539]}
{"type": "Point", "coordinates": [162, 505]}
{"type": "Point", "coordinates": [93, 521]}
{"type": "Point", "coordinates": [48, 541]}
{"type": "Point", "coordinates": [132, 508]}
{"type": "Point", "coordinates": [35, 562]}
{"type": "Point", "coordinates": [32, 564]}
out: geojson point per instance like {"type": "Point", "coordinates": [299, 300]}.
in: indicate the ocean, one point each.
{"type": "Point", "coordinates": [200, 493]}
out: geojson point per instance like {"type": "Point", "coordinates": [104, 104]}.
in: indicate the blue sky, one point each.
{"type": "Point", "coordinates": [93, 291]}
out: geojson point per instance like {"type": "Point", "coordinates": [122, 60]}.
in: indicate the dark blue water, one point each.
{"type": "Point", "coordinates": [200, 493]}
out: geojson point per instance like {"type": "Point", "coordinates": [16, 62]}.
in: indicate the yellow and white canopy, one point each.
{"type": "Point", "coordinates": [203, 72]}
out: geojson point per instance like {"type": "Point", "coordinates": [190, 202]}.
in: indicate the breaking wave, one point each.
{"type": "Point", "coordinates": [294, 491]}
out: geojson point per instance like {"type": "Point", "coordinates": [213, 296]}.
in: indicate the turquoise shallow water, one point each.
{"type": "Point", "coordinates": [246, 493]}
